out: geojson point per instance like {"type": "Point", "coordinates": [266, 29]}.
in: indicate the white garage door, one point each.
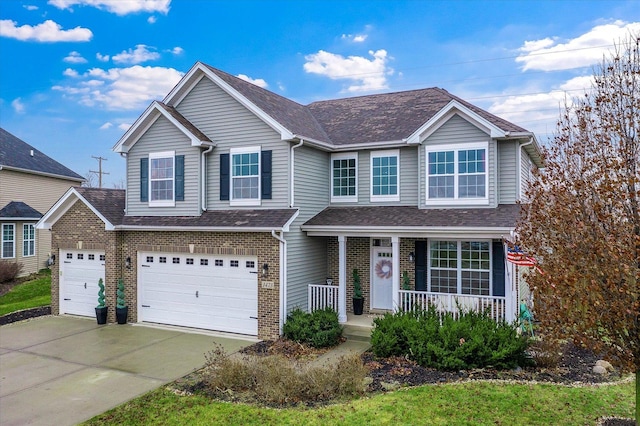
{"type": "Point", "coordinates": [80, 271]}
{"type": "Point", "coordinates": [204, 291]}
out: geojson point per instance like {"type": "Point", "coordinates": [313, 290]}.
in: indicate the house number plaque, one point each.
{"type": "Point", "coordinates": [267, 284]}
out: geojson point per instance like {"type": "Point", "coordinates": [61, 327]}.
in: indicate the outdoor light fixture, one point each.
{"type": "Point", "coordinates": [412, 257]}
{"type": "Point", "coordinates": [265, 270]}
{"type": "Point", "coordinates": [127, 262]}
{"type": "Point", "coordinates": [51, 260]}
{"type": "Point", "coordinates": [329, 281]}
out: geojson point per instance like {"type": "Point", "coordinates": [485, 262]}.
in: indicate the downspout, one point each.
{"type": "Point", "coordinates": [283, 277]}
{"type": "Point", "coordinates": [126, 183]}
{"type": "Point", "coordinates": [519, 157]}
{"type": "Point", "coordinates": [292, 172]}
{"type": "Point", "coordinates": [203, 174]}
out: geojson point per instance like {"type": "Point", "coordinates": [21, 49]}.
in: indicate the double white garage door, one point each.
{"type": "Point", "coordinates": [213, 292]}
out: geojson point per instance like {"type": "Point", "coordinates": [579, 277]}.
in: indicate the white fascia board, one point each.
{"type": "Point", "coordinates": [196, 228]}
{"type": "Point", "coordinates": [63, 205]}
{"type": "Point", "coordinates": [285, 227]}
{"type": "Point", "coordinates": [285, 134]}
{"type": "Point", "coordinates": [18, 219]}
{"type": "Point", "coordinates": [407, 231]}
{"type": "Point", "coordinates": [452, 107]}
{"type": "Point", "coordinates": [35, 172]}
{"type": "Point", "coordinates": [371, 145]}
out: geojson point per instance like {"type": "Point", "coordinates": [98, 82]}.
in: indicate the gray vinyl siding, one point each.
{"type": "Point", "coordinates": [525, 172]}
{"type": "Point", "coordinates": [307, 256]}
{"type": "Point", "coordinates": [230, 125]}
{"type": "Point", "coordinates": [507, 172]}
{"type": "Point", "coordinates": [164, 136]}
{"type": "Point", "coordinates": [457, 130]}
{"type": "Point", "coordinates": [408, 168]}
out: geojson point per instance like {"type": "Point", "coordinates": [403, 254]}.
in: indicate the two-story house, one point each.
{"type": "Point", "coordinates": [30, 183]}
{"type": "Point", "coordinates": [242, 204]}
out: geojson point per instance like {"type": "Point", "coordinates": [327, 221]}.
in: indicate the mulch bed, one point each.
{"type": "Point", "coordinates": [25, 314]}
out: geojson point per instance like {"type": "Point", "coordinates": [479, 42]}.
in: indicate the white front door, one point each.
{"type": "Point", "coordinates": [381, 278]}
{"type": "Point", "coordinates": [80, 271]}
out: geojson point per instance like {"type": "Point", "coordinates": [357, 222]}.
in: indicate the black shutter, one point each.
{"type": "Point", "coordinates": [266, 175]}
{"type": "Point", "coordinates": [421, 265]}
{"type": "Point", "coordinates": [498, 268]}
{"type": "Point", "coordinates": [224, 177]}
{"type": "Point", "coordinates": [144, 179]}
{"type": "Point", "coordinates": [179, 177]}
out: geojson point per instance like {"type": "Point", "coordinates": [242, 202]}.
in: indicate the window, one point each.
{"type": "Point", "coordinates": [189, 261]}
{"type": "Point", "coordinates": [176, 260]}
{"type": "Point", "coordinates": [245, 176]}
{"type": "Point", "coordinates": [162, 259]}
{"type": "Point", "coordinates": [161, 178]}
{"type": "Point", "coordinates": [28, 240]}
{"type": "Point", "coordinates": [204, 262]}
{"type": "Point", "coordinates": [102, 257]}
{"type": "Point", "coordinates": [80, 256]}
{"type": "Point", "coordinates": [234, 263]}
{"type": "Point", "coordinates": [344, 180]}
{"type": "Point", "coordinates": [219, 262]}
{"type": "Point", "coordinates": [385, 175]}
{"type": "Point", "coordinates": [149, 259]}
{"type": "Point", "coordinates": [8, 240]}
{"type": "Point", "coordinates": [457, 174]}
{"type": "Point", "coordinates": [250, 264]}
{"type": "Point", "coordinates": [92, 257]}
{"type": "Point", "coordinates": [69, 255]}
{"type": "Point", "coordinates": [460, 267]}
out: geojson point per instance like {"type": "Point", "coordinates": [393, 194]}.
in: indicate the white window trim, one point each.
{"type": "Point", "coordinates": [385, 153]}
{"type": "Point", "coordinates": [2, 253]}
{"type": "Point", "coordinates": [162, 203]}
{"type": "Point", "coordinates": [344, 198]}
{"type": "Point", "coordinates": [24, 225]}
{"type": "Point", "coordinates": [455, 200]}
{"type": "Point", "coordinates": [459, 263]}
{"type": "Point", "coordinates": [244, 201]}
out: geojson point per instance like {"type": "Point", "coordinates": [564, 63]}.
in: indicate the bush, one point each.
{"type": "Point", "coordinates": [432, 339]}
{"type": "Point", "coordinates": [319, 329]}
{"type": "Point", "coordinates": [546, 352]}
{"type": "Point", "coordinates": [277, 380]}
{"type": "Point", "coordinates": [9, 270]}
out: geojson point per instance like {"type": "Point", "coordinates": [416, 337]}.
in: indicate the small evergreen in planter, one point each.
{"type": "Point", "coordinates": [121, 308]}
{"type": "Point", "coordinates": [101, 309]}
{"type": "Point", "coordinates": [358, 298]}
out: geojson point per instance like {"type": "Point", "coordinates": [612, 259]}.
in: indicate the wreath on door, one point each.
{"type": "Point", "coordinates": [383, 269]}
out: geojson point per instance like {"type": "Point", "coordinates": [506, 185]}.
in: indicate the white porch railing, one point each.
{"type": "Point", "coordinates": [322, 296]}
{"type": "Point", "coordinates": [445, 302]}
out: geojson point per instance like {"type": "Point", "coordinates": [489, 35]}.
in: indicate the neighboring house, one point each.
{"type": "Point", "coordinates": [241, 204]}
{"type": "Point", "coordinates": [30, 183]}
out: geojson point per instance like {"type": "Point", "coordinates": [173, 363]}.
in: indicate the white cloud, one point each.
{"type": "Point", "coordinates": [48, 31]}
{"type": "Point", "coordinates": [106, 126]}
{"type": "Point", "coordinates": [258, 81]}
{"type": "Point", "coordinates": [119, 7]}
{"type": "Point", "coordinates": [135, 56]}
{"type": "Point", "coordinates": [30, 7]}
{"type": "Point", "coordinates": [177, 50]}
{"type": "Point", "coordinates": [70, 73]}
{"type": "Point", "coordinates": [75, 58]}
{"type": "Point", "coordinates": [152, 19]}
{"type": "Point", "coordinates": [124, 126]}
{"type": "Point", "coordinates": [366, 74]}
{"type": "Point", "coordinates": [102, 58]}
{"type": "Point", "coordinates": [587, 49]}
{"type": "Point", "coordinates": [121, 88]}
{"type": "Point", "coordinates": [356, 38]}
{"type": "Point", "coordinates": [18, 106]}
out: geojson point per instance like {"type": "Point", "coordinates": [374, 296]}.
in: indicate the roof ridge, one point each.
{"type": "Point", "coordinates": [381, 94]}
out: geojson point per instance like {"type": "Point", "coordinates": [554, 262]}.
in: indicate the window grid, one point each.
{"type": "Point", "coordinates": [457, 174]}
{"type": "Point", "coordinates": [444, 266]}
{"type": "Point", "coordinates": [8, 240]}
{"type": "Point", "coordinates": [385, 176]}
{"type": "Point", "coordinates": [460, 267]}
{"type": "Point", "coordinates": [189, 261]}
{"type": "Point", "coordinates": [162, 259]}
{"type": "Point", "coordinates": [344, 177]}
{"type": "Point", "coordinates": [219, 262]}
{"type": "Point", "coordinates": [28, 240]}
{"type": "Point", "coordinates": [92, 257]}
{"type": "Point", "coordinates": [80, 256]}
{"type": "Point", "coordinates": [161, 172]}
{"type": "Point", "coordinates": [204, 262]}
{"type": "Point", "coordinates": [234, 263]}
{"type": "Point", "coordinates": [245, 171]}
{"type": "Point", "coordinates": [176, 260]}
{"type": "Point", "coordinates": [471, 167]}
{"type": "Point", "coordinates": [149, 259]}
{"type": "Point", "coordinates": [250, 264]}
{"type": "Point", "coordinates": [69, 255]}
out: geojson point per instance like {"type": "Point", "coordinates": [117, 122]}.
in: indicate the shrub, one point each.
{"type": "Point", "coordinates": [432, 339]}
{"type": "Point", "coordinates": [318, 329]}
{"type": "Point", "coordinates": [9, 270]}
{"type": "Point", "coordinates": [546, 352]}
{"type": "Point", "coordinates": [277, 380]}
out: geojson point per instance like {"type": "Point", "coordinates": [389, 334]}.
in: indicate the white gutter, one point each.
{"type": "Point", "coordinates": [126, 182]}
{"type": "Point", "coordinates": [203, 174]}
{"type": "Point", "coordinates": [194, 228]}
{"type": "Point", "coordinates": [35, 172]}
{"type": "Point", "coordinates": [283, 277]}
{"type": "Point", "coordinates": [292, 172]}
{"type": "Point", "coordinates": [409, 231]}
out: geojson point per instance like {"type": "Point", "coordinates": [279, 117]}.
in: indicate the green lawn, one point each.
{"type": "Point", "coordinates": [30, 294]}
{"type": "Point", "coordinates": [473, 403]}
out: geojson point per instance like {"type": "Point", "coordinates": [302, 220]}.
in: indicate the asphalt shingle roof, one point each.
{"type": "Point", "coordinates": [17, 210]}
{"type": "Point", "coordinates": [505, 215]}
{"type": "Point", "coordinates": [186, 123]}
{"type": "Point", "coordinates": [109, 202]}
{"type": "Point", "coordinates": [16, 153]}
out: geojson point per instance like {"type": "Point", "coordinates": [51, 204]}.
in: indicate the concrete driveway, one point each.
{"type": "Point", "coordinates": [64, 370]}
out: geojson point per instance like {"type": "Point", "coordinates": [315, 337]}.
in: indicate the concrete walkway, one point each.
{"type": "Point", "coordinates": [64, 370]}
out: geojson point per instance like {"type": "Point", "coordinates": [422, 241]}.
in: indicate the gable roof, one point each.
{"type": "Point", "coordinates": [16, 154]}
{"type": "Point", "coordinates": [19, 210]}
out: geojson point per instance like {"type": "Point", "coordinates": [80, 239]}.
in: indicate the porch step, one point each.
{"type": "Point", "coordinates": [357, 333]}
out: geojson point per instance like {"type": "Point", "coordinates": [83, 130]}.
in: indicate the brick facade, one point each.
{"type": "Point", "coordinates": [80, 224]}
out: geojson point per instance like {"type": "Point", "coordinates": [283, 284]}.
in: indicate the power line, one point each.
{"type": "Point", "coordinates": [99, 172]}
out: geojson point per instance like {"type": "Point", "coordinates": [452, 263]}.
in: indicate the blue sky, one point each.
{"type": "Point", "coordinates": [74, 74]}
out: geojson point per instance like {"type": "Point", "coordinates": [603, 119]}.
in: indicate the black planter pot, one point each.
{"type": "Point", "coordinates": [358, 305]}
{"type": "Point", "coordinates": [101, 314]}
{"type": "Point", "coordinates": [121, 315]}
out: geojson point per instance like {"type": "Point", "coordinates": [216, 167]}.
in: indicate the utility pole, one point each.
{"type": "Point", "coordinates": [99, 172]}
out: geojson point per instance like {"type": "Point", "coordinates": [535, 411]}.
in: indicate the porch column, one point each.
{"type": "Point", "coordinates": [395, 278]}
{"type": "Point", "coordinates": [342, 278]}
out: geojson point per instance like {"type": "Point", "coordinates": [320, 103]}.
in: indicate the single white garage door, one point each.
{"type": "Point", "coordinates": [80, 271]}
{"type": "Point", "coordinates": [203, 291]}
